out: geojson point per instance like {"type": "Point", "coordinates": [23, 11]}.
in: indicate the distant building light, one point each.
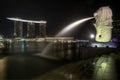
{"type": "Point", "coordinates": [114, 40]}
{"type": "Point", "coordinates": [82, 40]}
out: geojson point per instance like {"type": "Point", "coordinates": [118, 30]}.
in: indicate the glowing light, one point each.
{"type": "Point", "coordinates": [92, 36]}
{"type": "Point", "coordinates": [22, 20]}
{"type": "Point", "coordinates": [115, 40]}
{"type": "Point", "coordinates": [71, 26]}
{"type": "Point", "coordinates": [22, 39]}
{"type": "Point", "coordinates": [103, 65]}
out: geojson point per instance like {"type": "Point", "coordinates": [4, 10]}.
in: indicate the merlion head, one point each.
{"type": "Point", "coordinates": [103, 14]}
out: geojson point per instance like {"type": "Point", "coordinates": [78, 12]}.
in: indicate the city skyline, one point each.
{"type": "Point", "coordinates": [58, 14]}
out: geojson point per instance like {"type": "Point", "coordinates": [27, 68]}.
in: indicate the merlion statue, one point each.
{"type": "Point", "coordinates": [103, 24]}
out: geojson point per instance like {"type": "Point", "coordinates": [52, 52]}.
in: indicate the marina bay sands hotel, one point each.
{"type": "Point", "coordinates": [30, 30]}
{"type": "Point", "coordinates": [33, 31]}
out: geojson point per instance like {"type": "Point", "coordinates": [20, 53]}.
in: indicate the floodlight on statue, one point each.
{"type": "Point", "coordinates": [103, 24]}
{"type": "Point", "coordinates": [92, 36]}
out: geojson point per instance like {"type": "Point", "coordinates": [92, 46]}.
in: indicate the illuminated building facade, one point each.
{"type": "Point", "coordinates": [30, 30]}
{"type": "Point", "coordinates": [42, 30]}
{"type": "Point", "coordinates": [18, 29]}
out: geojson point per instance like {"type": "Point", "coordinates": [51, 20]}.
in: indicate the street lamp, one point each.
{"type": "Point", "coordinates": [92, 36]}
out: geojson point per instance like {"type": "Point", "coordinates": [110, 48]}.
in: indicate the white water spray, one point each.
{"type": "Point", "coordinates": [62, 32]}
{"type": "Point", "coordinates": [73, 25]}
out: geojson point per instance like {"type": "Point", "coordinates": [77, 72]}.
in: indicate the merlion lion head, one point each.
{"type": "Point", "coordinates": [103, 15]}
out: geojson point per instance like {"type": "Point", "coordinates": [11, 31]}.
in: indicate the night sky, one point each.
{"type": "Point", "coordinates": [57, 13]}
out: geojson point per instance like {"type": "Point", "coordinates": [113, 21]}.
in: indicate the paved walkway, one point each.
{"type": "Point", "coordinates": [105, 69]}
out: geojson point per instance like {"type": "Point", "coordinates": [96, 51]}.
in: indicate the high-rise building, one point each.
{"type": "Point", "coordinates": [30, 30]}
{"type": "Point", "coordinates": [18, 29]}
{"type": "Point", "coordinates": [42, 30]}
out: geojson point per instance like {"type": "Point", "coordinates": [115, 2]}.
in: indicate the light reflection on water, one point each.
{"type": "Point", "coordinates": [58, 49]}
{"type": "Point", "coordinates": [23, 47]}
{"type": "Point", "coordinates": [25, 67]}
{"type": "Point", "coordinates": [63, 50]}
{"type": "Point", "coordinates": [105, 68]}
{"type": "Point", "coordinates": [2, 68]}
{"type": "Point", "coordinates": [29, 67]}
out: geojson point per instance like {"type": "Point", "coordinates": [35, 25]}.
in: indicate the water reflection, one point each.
{"type": "Point", "coordinates": [2, 68]}
{"type": "Point", "coordinates": [35, 67]}
{"type": "Point", "coordinates": [59, 49]}
{"type": "Point", "coordinates": [23, 44]}
{"type": "Point", "coordinates": [25, 67]}
{"type": "Point", "coordinates": [105, 68]}
{"type": "Point", "coordinates": [23, 47]}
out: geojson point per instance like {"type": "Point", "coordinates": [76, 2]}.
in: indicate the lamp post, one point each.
{"type": "Point", "coordinates": [92, 36]}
